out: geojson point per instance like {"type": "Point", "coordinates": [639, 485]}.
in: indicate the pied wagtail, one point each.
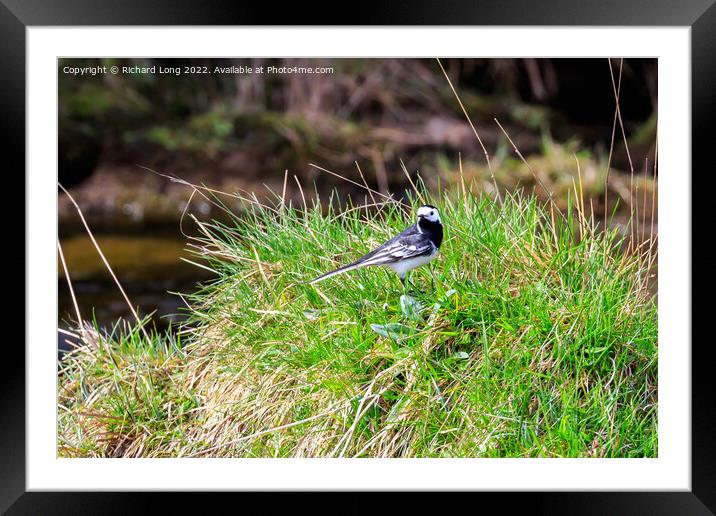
{"type": "Point", "coordinates": [415, 246]}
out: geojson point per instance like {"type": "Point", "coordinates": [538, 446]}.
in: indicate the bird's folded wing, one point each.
{"type": "Point", "coordinates": [400, 250]}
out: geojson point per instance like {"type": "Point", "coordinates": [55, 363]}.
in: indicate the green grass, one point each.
{"type": "Point", "coordinates": [532, 335]}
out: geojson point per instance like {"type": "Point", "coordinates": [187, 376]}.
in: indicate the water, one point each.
{"type": "Point", "coordinates": [149, 266]}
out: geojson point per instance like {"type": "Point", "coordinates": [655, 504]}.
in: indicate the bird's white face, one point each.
{"type": "Point", "coordinates": [429, 213]}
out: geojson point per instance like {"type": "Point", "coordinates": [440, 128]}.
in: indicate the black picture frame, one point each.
{"type": "Point", "coordinates": [17, 15]}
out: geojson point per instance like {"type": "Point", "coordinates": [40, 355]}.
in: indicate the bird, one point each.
{"type": "Point", "coordinates": [417, 245]}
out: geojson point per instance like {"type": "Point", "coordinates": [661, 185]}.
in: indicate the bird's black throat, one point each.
{"type": "Point", "coordinates": [433, 230]}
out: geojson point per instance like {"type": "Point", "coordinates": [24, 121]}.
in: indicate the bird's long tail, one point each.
{"type": "Point", "coordinates": [339, 270]}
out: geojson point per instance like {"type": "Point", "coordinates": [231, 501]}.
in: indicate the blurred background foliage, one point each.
{"type": "Point", "coordinates": [244, 131]}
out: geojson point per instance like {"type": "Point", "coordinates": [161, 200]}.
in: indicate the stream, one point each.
{"type": "Point", "coordinates": [149, 266]}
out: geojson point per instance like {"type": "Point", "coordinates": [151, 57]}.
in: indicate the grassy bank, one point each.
{"type": "Point", "coordinates": [532, 334]}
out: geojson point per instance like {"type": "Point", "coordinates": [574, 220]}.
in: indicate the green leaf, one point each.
{"type": "Point", "coordinates": [392, 330]}
{"type": "Point", "coordinates": [411, 307]}
{"type": "Point", "coordinates": [398, 408]}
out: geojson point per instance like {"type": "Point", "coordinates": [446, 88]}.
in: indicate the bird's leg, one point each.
{"type": "Point", "coordinates": [414, 287]}
{"type": "Point", "coordinates": [406, 284]}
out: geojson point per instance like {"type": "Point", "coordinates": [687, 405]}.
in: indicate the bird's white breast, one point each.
{"type": "Point", "coordinates": [402, 267]}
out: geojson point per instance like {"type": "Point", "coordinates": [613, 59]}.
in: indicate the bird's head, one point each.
{"type": "Point", "coordinates": [429, 213]}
